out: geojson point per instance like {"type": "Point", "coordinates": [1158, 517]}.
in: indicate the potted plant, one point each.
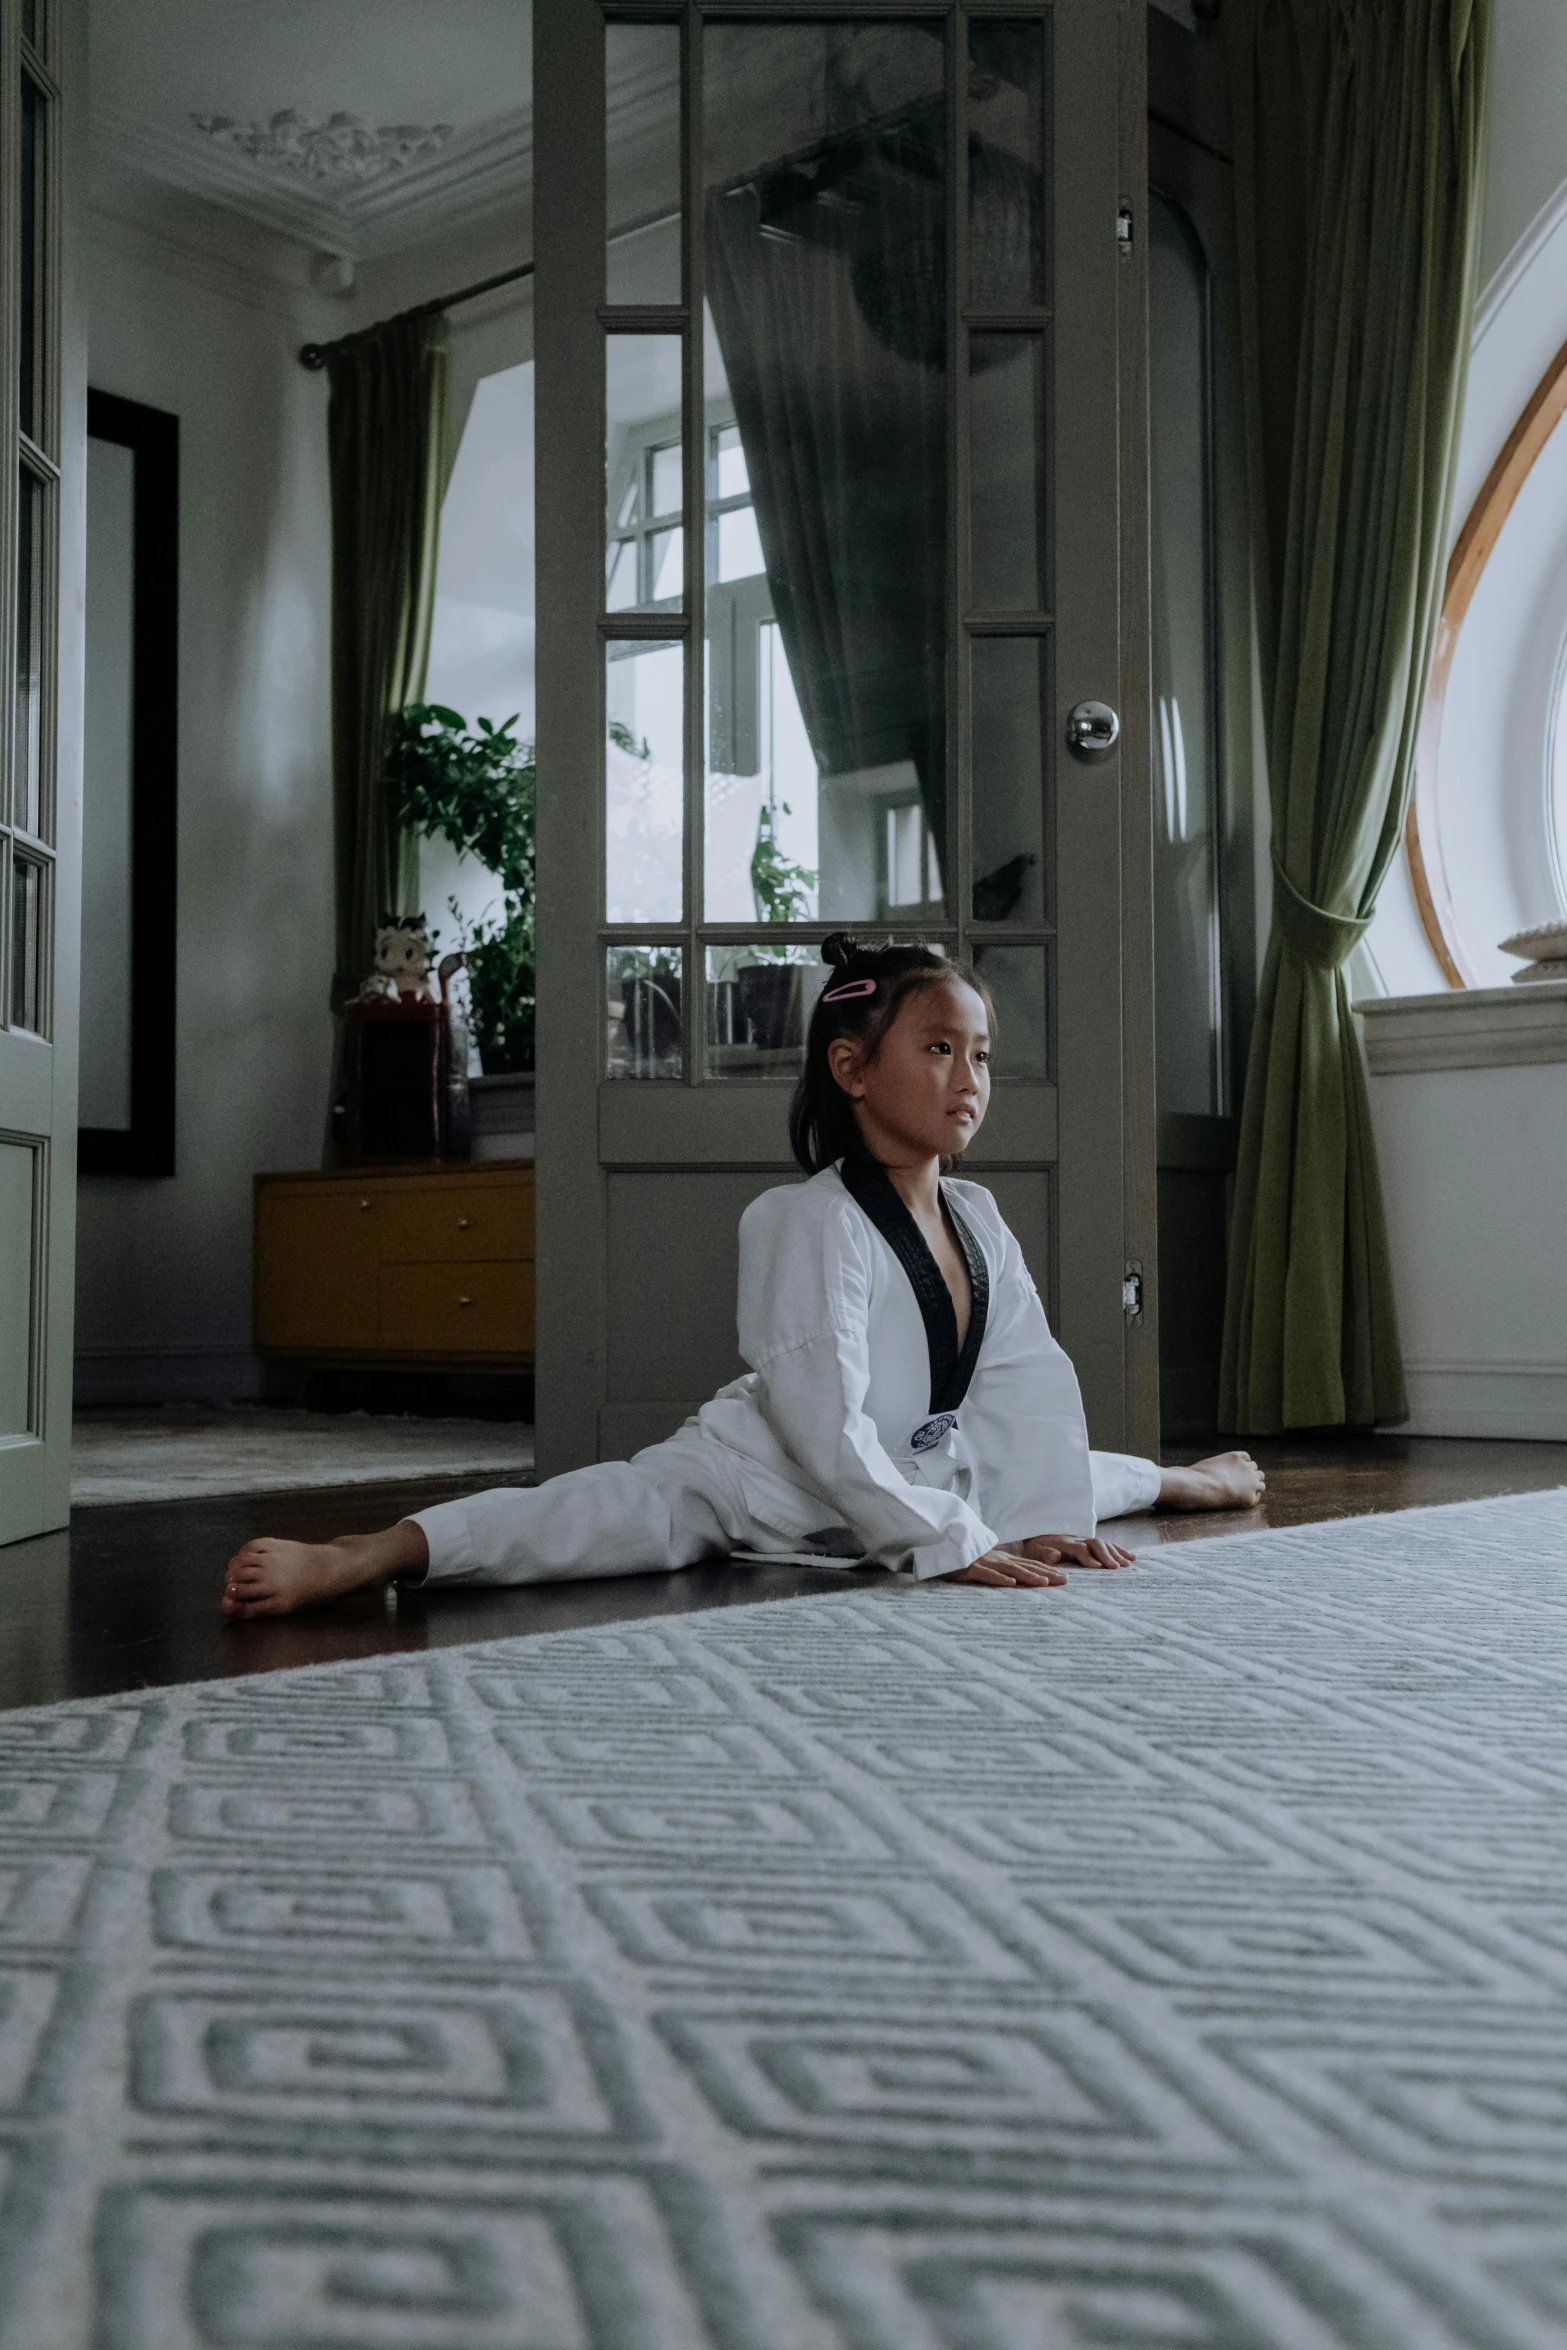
{"type": "Point", "coordinates": [770, 996]}
{"type": "Point", "coordinates": [477, 788]}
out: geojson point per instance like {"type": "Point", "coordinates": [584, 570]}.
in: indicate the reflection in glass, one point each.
{"type": "Point", "coordinates": [27, 962]}
{"type": "Point", "coordinates": [1187, 963]}
{"type": "Point", "coordinates": [1015, 977]}
{"type": "Point", "coordinates": [1007, 470]}
{"type": "Point", "coordinates": [1007, 175]}
{"type": "Point", "coordinates": [644, 782]}
{"type": "Point", "coordinates": [27, 751]}
{"type": "Point", "coordinates": [759, 1002]}
{"type": "Point", "coordinates": [642, 473]}
{"type": "Point", "coordinates": [1009, 736]}
{"type": "Point", "coordinates": [30, 341]}
{"type": "Point", "coordinates": [642, 185]}
{"type": "Point", "coordinates": [642, 1011]}
{"type": "Point", "coordinates": [825, 364]}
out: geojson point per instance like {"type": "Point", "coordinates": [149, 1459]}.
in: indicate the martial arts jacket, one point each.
{"type": "Point", "coordinates": [861, 1407]}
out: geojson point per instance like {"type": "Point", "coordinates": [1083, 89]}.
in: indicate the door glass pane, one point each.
{"type": "Point", "coordinates": [642, 1007]}
{"type": "Point", "coordinates": [1186, 876]}
{"type": "Point", "coordinates": [642, 147]}
{"type": "Point", "coordinates": [26, 752]}
{"type": "Point", "coordinates": [644, 782]}
{"type": "Point", "coordinates": [825, 170]}
{"type": "Point", "coordinates": [1016, 979]}
{"type": "Point", "coordinates": [27, 943]}
{"type": "Point", "coordinates": [759, 1002]}
{"type": "Point", "coordinates": [30, 344]}
{"type": "Point", "coordinates": [1007, 524]}
{"type": "Point", "coordinates": [1007, 176]}
{"type": "Point", "coordinates": [108, 788]}
{"type": "Point", "coordinates": [17, 1164]}
{"type": "Point", "coordinates": [1009, 737]}
{"type": "Point", "coordinates": [642, 472]}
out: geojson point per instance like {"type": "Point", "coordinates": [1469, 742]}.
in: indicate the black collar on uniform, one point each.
{"type": "Point", "coordinates": [951, 1367]}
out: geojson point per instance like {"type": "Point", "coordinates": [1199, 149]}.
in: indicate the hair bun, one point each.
{"type": "Point", "coordinates": [840, 950]}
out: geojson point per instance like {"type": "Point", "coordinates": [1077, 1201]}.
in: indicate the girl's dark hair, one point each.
{"type": "Point", "coordinates": [865, 994]}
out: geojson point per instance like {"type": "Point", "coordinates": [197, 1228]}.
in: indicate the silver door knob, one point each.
{"type": "Point", "coordinates": [1092, 730]}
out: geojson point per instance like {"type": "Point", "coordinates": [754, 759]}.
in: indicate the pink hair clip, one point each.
{"type": "Point", "coordinates": [837, 995]}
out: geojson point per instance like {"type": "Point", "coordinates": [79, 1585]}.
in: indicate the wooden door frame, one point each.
{"type": "Point", "coordinates": [569, 222]}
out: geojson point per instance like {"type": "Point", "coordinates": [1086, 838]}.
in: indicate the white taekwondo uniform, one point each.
{"type": "Point", "coordinates": [861, 1433]}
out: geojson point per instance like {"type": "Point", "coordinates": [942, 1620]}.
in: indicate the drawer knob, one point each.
{"type": "Point", "coordinates": [463, 1223]}
{"type": "Point", "coordinates": [364, 1203]}
{"type": "Point", "coordinates": [465, 1301]}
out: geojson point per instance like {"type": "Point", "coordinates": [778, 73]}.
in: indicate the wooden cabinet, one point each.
{"type": "Point", "coordinates": [431, 1266]}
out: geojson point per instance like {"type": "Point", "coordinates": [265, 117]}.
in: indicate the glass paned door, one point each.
{"type": "Point", "coordinates": [857, 324]}
{"type": "Point", "coordinates": [39, 781]}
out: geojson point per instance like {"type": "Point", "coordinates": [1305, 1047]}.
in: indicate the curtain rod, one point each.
{"type": "Point", "coordinates": [315, 355]}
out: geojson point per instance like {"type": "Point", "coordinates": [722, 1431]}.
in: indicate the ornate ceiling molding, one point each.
{"type": "Point", "coordinates": [342, 149]}
{"type": "Point", "coordinates": [470, 177]}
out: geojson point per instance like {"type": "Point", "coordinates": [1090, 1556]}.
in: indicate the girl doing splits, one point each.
{"type": "Point", "coordinates": [906, 1405]}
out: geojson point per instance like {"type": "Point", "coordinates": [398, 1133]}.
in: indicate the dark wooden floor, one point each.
{"type": "Point", "coordinates": [128, 1598]}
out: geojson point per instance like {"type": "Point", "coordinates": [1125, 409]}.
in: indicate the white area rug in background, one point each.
{"type": "Point", "coordinates": [1173, 1962]}
{"type": "Point", "coordinates": [183, 1455]}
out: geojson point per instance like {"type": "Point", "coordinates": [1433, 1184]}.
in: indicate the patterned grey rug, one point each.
{"type": "Point", "coordinates": [1175, 1962]}
{"type": "Point", "coordinates": [187, 1452]}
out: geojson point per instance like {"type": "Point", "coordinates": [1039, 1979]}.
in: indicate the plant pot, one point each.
{"type": "Point", "coordinates": [770, 998]}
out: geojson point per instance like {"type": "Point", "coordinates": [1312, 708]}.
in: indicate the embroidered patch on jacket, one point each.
{"type": "Point", "coordinates": [931, 1432]}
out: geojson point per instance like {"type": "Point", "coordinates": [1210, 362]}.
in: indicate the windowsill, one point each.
{"type": "Point", "coordinates": [1466, 1028]}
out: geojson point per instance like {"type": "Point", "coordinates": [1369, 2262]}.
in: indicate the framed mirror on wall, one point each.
{"type": "Point", "coordinates": [130, 790]}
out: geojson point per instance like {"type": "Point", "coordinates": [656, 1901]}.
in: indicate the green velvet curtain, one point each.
{"type": "Point", "coordinates": [385, 442]}
{"type": "Point", "coordinates": [1357, 168]}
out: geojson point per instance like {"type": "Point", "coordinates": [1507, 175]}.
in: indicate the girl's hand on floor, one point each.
{"type": "Point", "coordinates": [1063, 1550]}
{"type": "Point", "coordinates": [1008, 1569]}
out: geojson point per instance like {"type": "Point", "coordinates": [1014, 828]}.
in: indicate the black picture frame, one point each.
{"type": "Point", "coordinates": [147, 1145]}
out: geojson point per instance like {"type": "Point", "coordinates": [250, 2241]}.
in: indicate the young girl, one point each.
{"type": "Point", "coordinates": [906, 1404]}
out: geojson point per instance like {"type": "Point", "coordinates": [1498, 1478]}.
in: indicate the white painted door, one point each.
{"type": "Point", "coordinates": [43, 420]}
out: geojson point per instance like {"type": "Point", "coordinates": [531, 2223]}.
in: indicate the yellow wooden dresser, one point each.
{"type": "Point", "coordinates": [418, 1265]}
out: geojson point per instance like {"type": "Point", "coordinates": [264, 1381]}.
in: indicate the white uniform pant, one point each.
{"type": "Point", "coordinates": [675, 1504]}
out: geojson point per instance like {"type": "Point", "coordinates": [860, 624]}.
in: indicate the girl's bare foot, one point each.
{"type": "Point", "coordinates": [269, 1577]}
{"type": "Point", "coordinates": [1225, 1481]}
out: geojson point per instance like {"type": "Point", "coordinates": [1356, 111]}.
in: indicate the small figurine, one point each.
{"type": "Point", "coordinates": [404, 952]}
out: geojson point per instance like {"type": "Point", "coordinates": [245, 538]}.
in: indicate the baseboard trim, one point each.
{"type": "Point", "coordinates": [1523, 1400]}
{"type": "Point", "coordinates": [108, 1375]}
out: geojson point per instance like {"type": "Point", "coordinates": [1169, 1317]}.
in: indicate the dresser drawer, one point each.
{"type": "Point", "coordinates": [451, 1224]}
{"type": "Point", "coordinates": [316, 1268]}
{"type": "Point", "coordinates": [480, 1308]}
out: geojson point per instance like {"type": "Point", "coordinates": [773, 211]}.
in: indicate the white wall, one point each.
{"type": "Point", "coordinates": [163, 1305]}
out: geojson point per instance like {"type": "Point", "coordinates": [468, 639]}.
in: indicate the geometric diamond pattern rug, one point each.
{"type": "Point", "coordinates": [1175, 1962]}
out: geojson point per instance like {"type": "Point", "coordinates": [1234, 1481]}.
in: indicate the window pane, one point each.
{"type": "Point", "coordinates": [642, 466]}
{"type": "Point", "coordinates": [642, 1008]}
{"type": "Point", "coordinates": [1007, 177]}
{"type": "Point", "coordinates": [1009, 737]}
{"type": "Point", "coordinates": [825, 167]}
{"type": "Point", "coordinates": [642, 135]}
{"type": "Point", "coordinates": [1185, 874]}
{"type": "Point", "coordinates": [27, 751]}
{"type": "Point", "coordinates": [30, 345]}
{"type": "Point", "coordinates": [1015, 977]}
{"type": "Point", "coordinates": [27, 944]}
{"type": "Point", "coordinates": [1007, 463]}
{"type": "Point", "coordinates": [759, 1002]}
{"type": "Point", "coordinates": [644, 783]}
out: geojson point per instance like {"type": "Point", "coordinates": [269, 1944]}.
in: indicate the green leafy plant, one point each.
{"type": "Point", "coordinates": [780, 890]}
{"type": "Point", "coordinates": [478, 788]}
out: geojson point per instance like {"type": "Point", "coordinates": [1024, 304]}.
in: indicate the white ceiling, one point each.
{"type": "Point", "coordinates": [467, 63]}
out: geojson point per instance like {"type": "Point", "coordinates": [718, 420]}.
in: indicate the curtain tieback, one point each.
{"type": "Point", "coordinates": [1319, 938]}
